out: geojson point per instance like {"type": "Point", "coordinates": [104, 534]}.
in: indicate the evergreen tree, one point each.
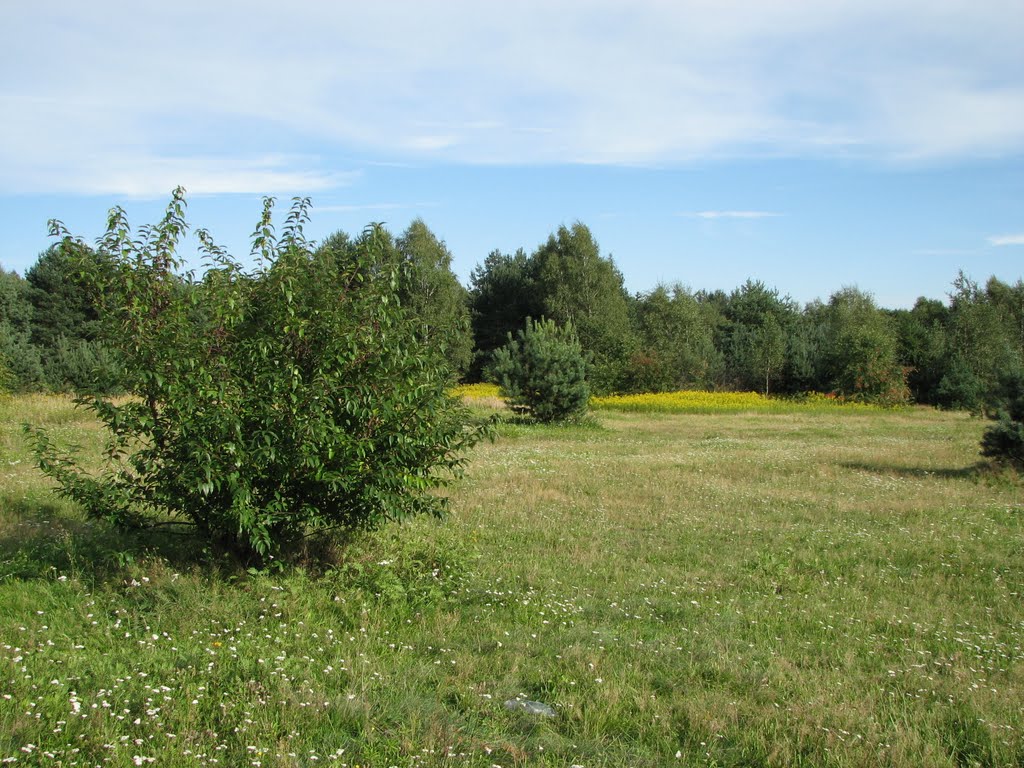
{"type": "Point", "coordinates": [15, 307]}
{"type": "Point", "coordinates": [542, 371]}
{"type": "Point", "coordinates": [1004, 440]}
{"type": "Point", "coordinates": [922, 342]}
{"type": "Point", "coordinates": [806, 351]}
{"type": "Point", "coordinates": [503, 293]}
{"type": "Point", "coordinates": [581, 287]}
{"type": "Point", "coordinates": [62, 305]}
{"type": "Point", "coordinates": [21, 368]}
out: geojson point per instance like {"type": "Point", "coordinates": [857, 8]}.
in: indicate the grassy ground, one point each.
{"type": "Point", "coordinates": [820, 589]}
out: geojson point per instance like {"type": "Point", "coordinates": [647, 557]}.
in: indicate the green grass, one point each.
{"type": "Point", "coordinates": [807, 588]}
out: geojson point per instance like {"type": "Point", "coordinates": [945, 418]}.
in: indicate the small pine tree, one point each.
{"type": "Point", "coordinates": [1004, 440]}
{"type": "Point", "coordinates": [542, 371]}
{"type": "Point", "coordinates": [960, 388]}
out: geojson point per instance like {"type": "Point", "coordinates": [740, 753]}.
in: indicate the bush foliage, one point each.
{"type": "Point", "coordinates": [542, 371]}
{"type": "Point", "coordinates": [267, 405]}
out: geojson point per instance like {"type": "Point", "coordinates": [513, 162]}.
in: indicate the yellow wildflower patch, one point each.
{"type": "Point", "coordinates": [683, 402]}
{"type": "Point", "coordinates": [690, 401]}
{"type": "Point", "coordinates": [484, 396]}
{"type": "Point", "coordinates": [475, 391]}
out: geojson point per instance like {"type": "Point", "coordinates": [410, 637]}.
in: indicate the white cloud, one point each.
{"type": "Point", "coordinates": [603, 81]}
{"type": "Point", "coordinates": [1007, 239]}
{"type": "Point", "coordinates": [143, 175]}
{"type": "Point", "coordinates": [431, 143]}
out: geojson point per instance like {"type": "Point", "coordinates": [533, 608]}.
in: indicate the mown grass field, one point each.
{"type": "Point", "coordinates": [814, 587]}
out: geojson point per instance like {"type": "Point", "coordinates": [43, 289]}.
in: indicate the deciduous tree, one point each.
{"type": "Point", "coordinates": [433, 294]}
{"type": "Point", "coordinates": [266, 405]}
{"type": "Point", "coordinates": [863, 358]}
{"type": "Point", "coordinates": [676, 339]}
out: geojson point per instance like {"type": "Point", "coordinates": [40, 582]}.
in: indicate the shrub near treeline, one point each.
{"type": "Point", "coordinates": [267, 406]}
{"type": "Point", "coordinates": [542, 371]}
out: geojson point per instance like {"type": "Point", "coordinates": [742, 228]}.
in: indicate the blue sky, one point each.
{"type": "Point", "coordinates": [811, 145]}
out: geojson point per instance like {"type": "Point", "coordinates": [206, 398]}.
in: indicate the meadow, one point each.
{"type": "Point", "coordinates": [816, 586]}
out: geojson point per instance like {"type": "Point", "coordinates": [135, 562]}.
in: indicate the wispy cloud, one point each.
{"type": "Point", "coordinates": [613, 82]}
{"type": "Point", "coordinates": [731, 214]}
{"type": "Point", "coordinates": [1006, 239]}
{"type": "Point", "coordinates": [141, 174]}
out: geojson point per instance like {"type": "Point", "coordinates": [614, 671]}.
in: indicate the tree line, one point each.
{"type": "Point", "coordinates": [951, 353]}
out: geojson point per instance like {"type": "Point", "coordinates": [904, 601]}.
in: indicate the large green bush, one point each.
{"type": "Point", "coordinates": [542, 371]}
{"type": "Point", "coordinates": [265, 405]}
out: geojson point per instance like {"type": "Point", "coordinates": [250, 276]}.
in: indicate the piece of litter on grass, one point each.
{"type": "Point", "coordinates": [530, 707]}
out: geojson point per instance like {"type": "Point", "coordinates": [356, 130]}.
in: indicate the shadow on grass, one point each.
{"type": "Point", "coordinates": [973, 472]}
{"type": "Point", "coordinates": [41, 539]}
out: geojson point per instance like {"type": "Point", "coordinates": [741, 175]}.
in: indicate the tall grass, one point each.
{"type": "Point", "coordinates": [806, 588]}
